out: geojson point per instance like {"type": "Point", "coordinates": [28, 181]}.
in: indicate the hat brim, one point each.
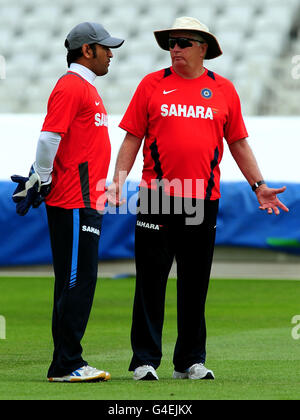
{"type": "Point", "coordinates": [213, 50]}
{"type": "Point", "coordinates": [111, 42]}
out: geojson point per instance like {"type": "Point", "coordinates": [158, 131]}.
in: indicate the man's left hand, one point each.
{"type": "Point", "coordinates": [267, 198]}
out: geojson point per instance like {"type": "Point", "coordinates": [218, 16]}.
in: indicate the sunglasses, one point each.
{"type": "Point", "coordinates": [182, 42]}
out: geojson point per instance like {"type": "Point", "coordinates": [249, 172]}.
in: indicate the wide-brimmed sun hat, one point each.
{"type": "Point", "coordinates": [186, 23]}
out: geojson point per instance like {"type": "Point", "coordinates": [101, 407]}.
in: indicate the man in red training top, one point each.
{"type": "Point", "coordinates": [182, 113]}
{"type": "Point", "coordinates": [73, 156]}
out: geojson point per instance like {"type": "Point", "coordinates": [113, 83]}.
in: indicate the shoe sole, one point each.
{"type": "Point", "coordinates": [103, 377]}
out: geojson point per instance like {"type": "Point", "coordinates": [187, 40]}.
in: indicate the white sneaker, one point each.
{"type": "Point", "coordinates": [196, 371]}
{"type": "Point", "coordinates": [84, 374]}
{"type": "Point", "coordinates": [145, 373]}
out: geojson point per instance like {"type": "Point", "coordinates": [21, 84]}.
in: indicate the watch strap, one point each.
{"type": "Point", "coordinates": [257, 184]}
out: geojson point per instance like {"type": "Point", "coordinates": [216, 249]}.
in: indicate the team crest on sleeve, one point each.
{"type": "Point", "coordinates": [206, 93]}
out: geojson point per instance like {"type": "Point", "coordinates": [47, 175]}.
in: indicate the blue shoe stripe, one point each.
{"type": "Point", "coordinates": [75, 373]}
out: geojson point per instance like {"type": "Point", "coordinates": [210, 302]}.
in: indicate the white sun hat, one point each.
{"type": "Point", "coordinates": [186, 23]}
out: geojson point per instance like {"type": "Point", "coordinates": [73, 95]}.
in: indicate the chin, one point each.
{"type": "Point", "coordinates": [179, 63]}
{"type": "Point", "coordinates": [102, 73]}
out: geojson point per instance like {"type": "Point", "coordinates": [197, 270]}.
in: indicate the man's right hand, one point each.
{"type": "Point", "coordinates": [113, 194]}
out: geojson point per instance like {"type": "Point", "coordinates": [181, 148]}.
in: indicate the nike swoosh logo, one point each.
{"type": "Point", "coordinates": [97, 103]}
{"type": "Point", "coordinates": [165, 92]}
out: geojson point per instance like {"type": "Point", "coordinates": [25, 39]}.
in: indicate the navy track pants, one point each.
{"type": "Point", "coordinates": [159, 238]}
{"type": "Point", "coordinates": [74, 236]}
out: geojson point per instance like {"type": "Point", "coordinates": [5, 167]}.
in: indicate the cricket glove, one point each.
{"type": "Point", "coordinates": [30, 191]}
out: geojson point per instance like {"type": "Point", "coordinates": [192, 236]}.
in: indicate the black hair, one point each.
{"type": "Point", "coordinates": [73, 55]}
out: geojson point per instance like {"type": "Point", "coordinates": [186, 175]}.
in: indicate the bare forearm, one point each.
{"type": "Point", "coordinates": [246, 161]}
{"type": "Point", "coordinates": [126, 158]}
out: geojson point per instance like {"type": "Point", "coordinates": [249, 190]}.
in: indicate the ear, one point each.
{"type": "Point", "coordinates": [203, 48]}
{"type": "Point", "coordinates": [87, 51]}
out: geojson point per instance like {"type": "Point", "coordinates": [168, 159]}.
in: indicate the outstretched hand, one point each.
{"type": "Point", "coordinates": [268, 200]}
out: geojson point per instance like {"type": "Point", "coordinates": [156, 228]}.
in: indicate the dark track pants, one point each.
{"type": "Point", "coordinates": [158, 239]}
{"type": "Point", "coordinates": [74, 236]}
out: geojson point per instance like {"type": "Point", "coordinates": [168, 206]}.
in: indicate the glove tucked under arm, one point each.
{"type": "Point", "coordinates": [30, 191]}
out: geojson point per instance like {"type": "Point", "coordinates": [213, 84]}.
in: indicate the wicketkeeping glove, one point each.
{"type": "Point", "coordinates": [30, 192]}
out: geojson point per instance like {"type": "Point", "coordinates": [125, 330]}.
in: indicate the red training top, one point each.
{"type": "Point", "coordinates": [184, 122]}
{"type": "Point", "coordinates": [76, 111]}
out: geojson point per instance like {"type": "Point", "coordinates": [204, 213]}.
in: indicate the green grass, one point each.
{"type": "Point", "coordinates": [250, 346]}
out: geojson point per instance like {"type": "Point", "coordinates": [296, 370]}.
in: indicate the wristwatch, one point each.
{"type": "Point", "coordinates": [257, 184]}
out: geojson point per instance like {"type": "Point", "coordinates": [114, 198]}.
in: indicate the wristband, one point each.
{"type": "Point", "coordinates": [257, 184]}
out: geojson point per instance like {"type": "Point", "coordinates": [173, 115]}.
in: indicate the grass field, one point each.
{"type": "Point", "coordinates": [250, 345]}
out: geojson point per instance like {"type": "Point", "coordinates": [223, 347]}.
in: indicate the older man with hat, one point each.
{"type": "Point", "coordinates": [182, 113]}
{"type": "Point", "coordinates": [73, 155]}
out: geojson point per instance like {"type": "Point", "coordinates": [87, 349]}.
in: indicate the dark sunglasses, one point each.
{"type": "Point", "coordinates": [182, 42]}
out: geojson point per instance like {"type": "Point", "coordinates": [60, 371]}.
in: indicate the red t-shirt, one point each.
{"type": "Point", "coordinates": [76, 111]}
{"type": "Point", "coordinates": [184, 122]}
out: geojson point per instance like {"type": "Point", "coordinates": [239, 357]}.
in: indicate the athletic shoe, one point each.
{"type": "Point", "coordinates": [84, 374]}
{"type": "Point", "coordinates": [145, 373]}
{"type": "Point", "coordinates": [196, 371]}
